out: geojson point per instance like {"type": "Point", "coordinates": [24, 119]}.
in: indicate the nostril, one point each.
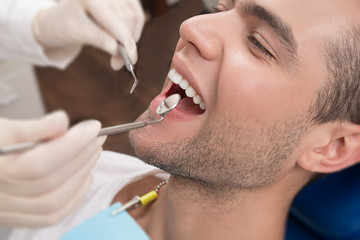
{"type": "Point", "coordinates": [210, 50]}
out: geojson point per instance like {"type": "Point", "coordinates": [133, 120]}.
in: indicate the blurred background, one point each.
{"type": "Point", "coordinates": [89, 88]}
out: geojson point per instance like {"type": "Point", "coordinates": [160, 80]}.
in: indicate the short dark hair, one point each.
{"type": "Point", "coordinates": [339, 99]}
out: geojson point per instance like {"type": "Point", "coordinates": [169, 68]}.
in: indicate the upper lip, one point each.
{"type": "Point", "coordinates": [182, 68]}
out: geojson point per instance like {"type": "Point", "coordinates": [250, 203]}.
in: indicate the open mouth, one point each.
{"type": "Point", "coordinates": [191, 102]}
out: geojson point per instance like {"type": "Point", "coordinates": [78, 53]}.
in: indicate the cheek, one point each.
{"type": "Point", "coordinates": [261, 92]}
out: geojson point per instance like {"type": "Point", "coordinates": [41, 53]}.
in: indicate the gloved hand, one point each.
{"type": "Point", "coordinates": [100, 23]}
{"type": "Point", "coordinates": [41, 185]}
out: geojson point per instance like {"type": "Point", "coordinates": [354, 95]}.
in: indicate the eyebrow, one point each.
{"type": "Point", "coordinates": [280, 28]}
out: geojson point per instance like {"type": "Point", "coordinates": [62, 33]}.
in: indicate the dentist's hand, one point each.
{"type": "Point", "coordinates": [100, 23]}
{"type": "Point", "coordinates": [40, 186]}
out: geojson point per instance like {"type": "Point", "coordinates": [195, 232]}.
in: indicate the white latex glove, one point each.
{"type": "Point", "coordinates": [40, 186]}
{"type": "Point", "coordinates": [100, 23]}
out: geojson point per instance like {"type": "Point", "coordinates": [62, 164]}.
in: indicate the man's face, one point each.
{"type": "Point", "coordinates": [257, 66]}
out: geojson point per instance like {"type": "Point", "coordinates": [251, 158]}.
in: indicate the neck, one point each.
{"type": "Point", "coordinates": [183, 211]}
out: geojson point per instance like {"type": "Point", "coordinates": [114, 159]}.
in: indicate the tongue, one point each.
{"type": "Point", "coordinates": [187, 105]}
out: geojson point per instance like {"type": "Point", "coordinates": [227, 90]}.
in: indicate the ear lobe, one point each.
{"type": "Point", "coordinates": [340, 153]}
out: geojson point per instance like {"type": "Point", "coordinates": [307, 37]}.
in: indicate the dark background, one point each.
{"type": "Point", "coordinates": [90, 89]}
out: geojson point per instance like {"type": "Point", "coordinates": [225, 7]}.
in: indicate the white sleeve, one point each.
{"type": "Point", "coordinates": [17, 41]}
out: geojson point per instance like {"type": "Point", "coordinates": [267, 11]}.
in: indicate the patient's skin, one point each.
{"type": "Point", "coordinates": [236, 168]}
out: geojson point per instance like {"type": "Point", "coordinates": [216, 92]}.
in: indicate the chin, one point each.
{"type": "Point", "coordinates": [142, 139]}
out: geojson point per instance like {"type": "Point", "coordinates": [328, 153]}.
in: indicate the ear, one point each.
{"type": "Point", "coordinates": [336, 148]}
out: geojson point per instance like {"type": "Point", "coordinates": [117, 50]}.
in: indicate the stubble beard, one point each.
{"type": "Point", "coordinates": [223, 157]}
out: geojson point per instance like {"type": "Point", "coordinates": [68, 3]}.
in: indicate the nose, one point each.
{"type": "Point", "coordinates": [201, 32]}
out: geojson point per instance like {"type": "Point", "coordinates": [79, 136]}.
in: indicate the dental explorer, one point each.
{"type": "Point", "coordinates": [129, 66]}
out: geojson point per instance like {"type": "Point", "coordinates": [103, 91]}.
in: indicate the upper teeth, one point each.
{"type": "Point", "coordinates": [176, 78]}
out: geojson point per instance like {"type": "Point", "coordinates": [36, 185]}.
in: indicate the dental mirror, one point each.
{"type": "Point", "coordinates": [166, 106]}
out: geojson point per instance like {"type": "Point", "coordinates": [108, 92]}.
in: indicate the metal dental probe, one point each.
{"type": "Point", "coordinates": [129, 66]}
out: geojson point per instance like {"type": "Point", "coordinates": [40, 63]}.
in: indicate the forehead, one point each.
{"type": "Point", "coordinates": [315, 16]}
{"type": "Point", "coordinates": [313, 22]}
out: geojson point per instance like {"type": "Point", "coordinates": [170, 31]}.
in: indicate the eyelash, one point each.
{"type": "Point", "coordinates": [215, 10]}
{"type": "Point", "coordinates": [259, 46]}
{"type": "Point", "coordinates": [254, 42]}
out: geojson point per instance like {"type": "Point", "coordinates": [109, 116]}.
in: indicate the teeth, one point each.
{"type": "Point", "coordinates": [176, 78]}
{"type": "Point", "coordinates": [190, 92]}
{"type": "Point", "coordinates": [184, 84]}
{"type": "Point", "coordinates": [197, 99]}
{"type": "Point", "coordinates": [171, 73]}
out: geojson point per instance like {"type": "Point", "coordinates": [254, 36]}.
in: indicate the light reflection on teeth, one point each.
{"type": "Point", "coordinates": [176, 78]}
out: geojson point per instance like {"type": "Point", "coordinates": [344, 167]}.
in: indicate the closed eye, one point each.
{"type": "Point", "coordinates": [254, 42]}
{"type": "Point", "coordinates": [216, 9]}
